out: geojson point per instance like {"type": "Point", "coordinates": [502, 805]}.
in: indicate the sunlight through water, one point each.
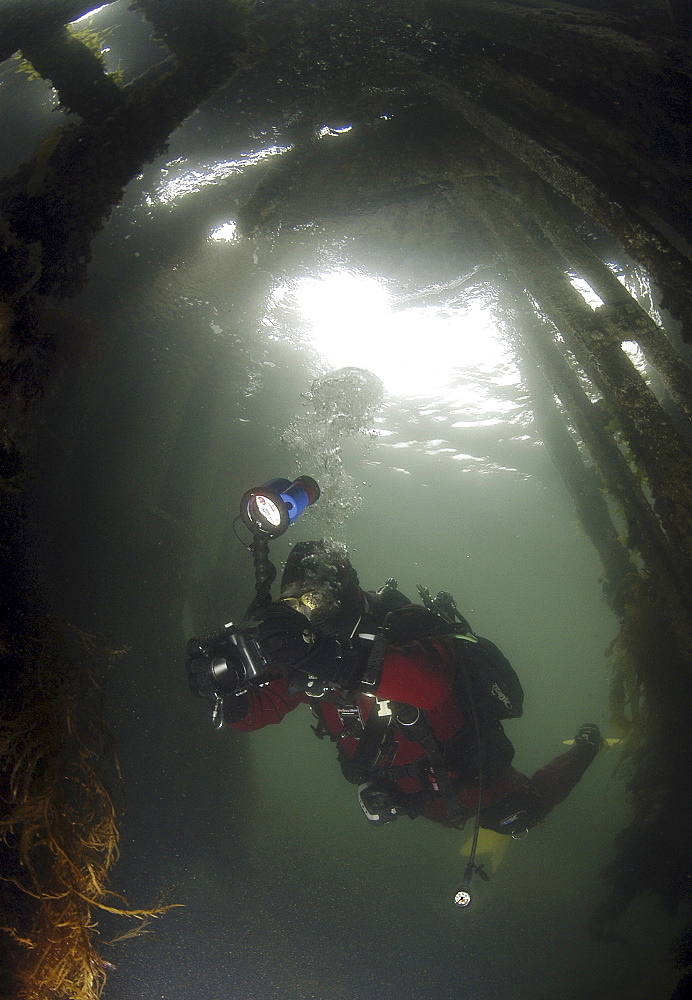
{"type": "Point", "coordinates": [452, 384]}
{"type": "Point", "coordinates": [352, 319]}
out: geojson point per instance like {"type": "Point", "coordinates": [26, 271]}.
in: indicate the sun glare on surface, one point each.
{"type": "Point", "coordinates": [416, 351]}
{"type": "Point", "coordinates": [182, 178]}
{"type": "Point", "coordinates": [91, 13]}
{"type": "Point", "coordinates": [226, 233]}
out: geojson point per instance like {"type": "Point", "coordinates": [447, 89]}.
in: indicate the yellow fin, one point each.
{"type": "Point", "coordinates": [491, 848]}
{"type": "Point", "coordinates": [607, 743]}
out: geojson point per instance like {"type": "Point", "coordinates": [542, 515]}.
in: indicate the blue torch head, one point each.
{"type": "Point", "coordinates": [268, 510]}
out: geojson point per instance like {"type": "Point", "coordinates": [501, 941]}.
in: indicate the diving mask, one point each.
{"type": "Point", "coordinates": [311, 604]}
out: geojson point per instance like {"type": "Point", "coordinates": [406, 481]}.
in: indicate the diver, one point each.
{"type": "Point", "coordinates": [412, 698]}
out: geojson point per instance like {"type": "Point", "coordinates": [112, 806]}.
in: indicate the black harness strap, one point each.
{"type": "Point", "coordinates": [420, 730]}
{"type": "Point", "coordinates": [370, 760]}
{"type": "Point", "coordinates": [372, 744]}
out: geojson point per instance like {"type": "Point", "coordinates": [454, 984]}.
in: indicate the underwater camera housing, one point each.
{"type": "Point", "coordinates": [268, 510]}
{"type": "Point", "coordinates": [234, 659]}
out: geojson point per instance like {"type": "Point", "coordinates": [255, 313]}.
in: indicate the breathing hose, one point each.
{"type": "Point", "coordinates": [463, 896]}
{"type": "Point", "coordinates": [445, 606]}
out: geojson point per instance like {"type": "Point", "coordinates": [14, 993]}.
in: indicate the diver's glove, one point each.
{"type": "Point", "coordinates": [234, 708]}
{"type": "Point", "coordinates": [287, 642]}
{"type": "Point", "coordinates": [283, 635]}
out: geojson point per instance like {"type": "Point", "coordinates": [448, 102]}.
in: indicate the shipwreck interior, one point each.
{"type": "Point", "coordinates": [528, 159]}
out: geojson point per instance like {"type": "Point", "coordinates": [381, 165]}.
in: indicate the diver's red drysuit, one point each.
{"type": "Point", "coordinates": [420, 674]}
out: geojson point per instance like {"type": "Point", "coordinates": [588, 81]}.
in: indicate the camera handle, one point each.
{"type": "Point", "coordinates": [265, 574]}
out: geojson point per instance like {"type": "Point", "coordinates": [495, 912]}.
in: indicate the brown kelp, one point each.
{"type": "Point", "coordinates": [58, 820]}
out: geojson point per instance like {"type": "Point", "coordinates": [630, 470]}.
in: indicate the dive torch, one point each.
{"type": "Point", "coordinates": [268, 510]}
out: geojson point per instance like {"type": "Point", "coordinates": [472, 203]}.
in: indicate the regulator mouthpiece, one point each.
{"type": "Point", "coordinates": [269, 510]}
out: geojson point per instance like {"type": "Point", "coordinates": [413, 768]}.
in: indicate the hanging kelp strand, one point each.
{"type": "Point", "coordinates": [58, 820]}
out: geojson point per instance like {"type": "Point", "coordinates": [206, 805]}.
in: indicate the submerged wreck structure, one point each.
{"type": "Point", "coordinates": [548, 141]}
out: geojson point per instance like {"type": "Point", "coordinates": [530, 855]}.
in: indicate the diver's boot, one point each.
{"type": "Point", "coordinates": [589, 739]}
